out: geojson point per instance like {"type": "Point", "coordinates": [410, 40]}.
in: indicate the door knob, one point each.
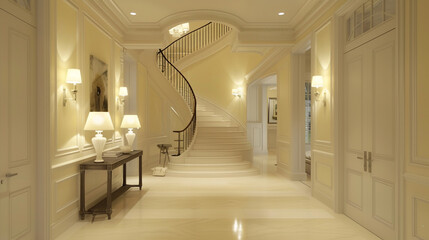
{"type": "Point", "coordinates": [8, 175]}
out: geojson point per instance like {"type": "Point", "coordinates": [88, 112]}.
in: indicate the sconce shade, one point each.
{"type": "Point", "coordinates": [73, 76]}
{"type": "Point", "coordinates": [123, 91]}
{"type": "Point", "coordinates": [130, 121]}
{"type": "Point", "coordinates": [317, 81]}
{"type": "Point", "coordinates": [98, 121]}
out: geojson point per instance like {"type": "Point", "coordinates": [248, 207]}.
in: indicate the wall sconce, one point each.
{"type": "Point", "coordinates": [237, 92]}
{"type": "Point", "coordinates": [73, 77]}
{"type": "Point", "coordinates": [317, 82]}
{"type": "Point", "coordinates": [123, 92]}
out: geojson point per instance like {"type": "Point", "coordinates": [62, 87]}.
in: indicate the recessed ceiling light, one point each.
{"type": "Point", "coordinates": [281, 13]}
{"type": "Point", "coordinates": [133, 13]}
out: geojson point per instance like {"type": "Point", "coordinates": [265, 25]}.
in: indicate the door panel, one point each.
{"type": "Point", "coordinates": [383, 124]}
{"type": "Point", "coordinates": [354, 103]}
{"type": "Point", "coordinates": [354, 124]}
{"type": "Point", "coordinates": [384, 99]}
{"type": "Point", "coordinates": [17, 144]}
{"type": "Point", "coordinates": [370, 125]}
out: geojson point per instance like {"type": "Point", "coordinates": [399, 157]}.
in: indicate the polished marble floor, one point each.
{"type": "Point", "coordinates": [262, 207]}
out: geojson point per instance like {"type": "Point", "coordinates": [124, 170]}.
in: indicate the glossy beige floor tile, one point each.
{"type": "Point", "coordinates": [263, 207]}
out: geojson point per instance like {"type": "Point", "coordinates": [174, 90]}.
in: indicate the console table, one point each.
{"type": "Point", "coordinates": [110, 163]}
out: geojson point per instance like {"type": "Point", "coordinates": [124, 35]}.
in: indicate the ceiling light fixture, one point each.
{"type": "Point", "coordinates": [281, 13]}
{"type": "Point", "coordinates": [133, 13]}
{"type": "Point", "coordinates": [179, 30]}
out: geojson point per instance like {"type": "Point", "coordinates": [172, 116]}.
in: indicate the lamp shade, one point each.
{"type": "Point", "coordinates": [130, 121]}
{"type": "Point", "coordinates": [99, 121]}
{"type": "Point", "coordinates": [73, 76]}
{"type": "Point", "coordinates": [317, 81]}
{"type": "Point", "coordinates": [123, 91]}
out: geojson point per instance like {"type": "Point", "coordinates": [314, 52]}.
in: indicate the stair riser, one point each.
{"type": "Point", "coordinates": [218, 129]}
{"type": "Point", "coordinates": [220, 140]}
{"type": "Point", "coordinates": [196, 160]}
{"type": "Point", "coordinates": [210, 118]}
{"type": "Point", "coordinates": [205, 113]}
{"type": "Point", "coordinates": [220, 174]}
{"type": "Point", "coordinates": [220, 167]}
{"type": "Point", "coordinates": [220, 146]}
{"type": "Point", "coordinates": [203, 134]}
{"type": "Point", "coordinates": [215, 124]}
{"type": "Point", "coordinates": [214, 153]}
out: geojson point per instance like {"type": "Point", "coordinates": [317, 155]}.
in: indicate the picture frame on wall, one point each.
{"type": "Point", "coordinates": [99, 78]}
{"type": "Point", "coordinates": [272, 110]}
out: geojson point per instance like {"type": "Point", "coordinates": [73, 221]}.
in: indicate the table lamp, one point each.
{"type": "Point", "coordinates": [99, 121]}
{"type": "Point", "coordinates": [130, 122]}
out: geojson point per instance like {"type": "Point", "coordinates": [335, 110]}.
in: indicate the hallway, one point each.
{"type": "Point", "coordinates": [262, 207]}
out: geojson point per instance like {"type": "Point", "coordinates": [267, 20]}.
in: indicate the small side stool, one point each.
{"type": "Point", "coordinates": [163, 149]}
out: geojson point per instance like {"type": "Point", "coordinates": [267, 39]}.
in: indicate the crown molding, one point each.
{"type": "Point", "coordinates": [314, 15]}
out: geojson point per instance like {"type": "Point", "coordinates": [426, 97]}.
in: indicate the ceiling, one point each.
{"type": "Point", "coordinates": [251, 11]}
{"type": "Point", "coordinates": [244, 13]}
{"type": "Point", "coordinates": [256, 21]}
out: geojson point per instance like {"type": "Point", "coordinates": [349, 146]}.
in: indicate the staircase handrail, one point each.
{"type": "Point", "coordinates": [189, 33]}
{"type": "Point", "coordinates": [190, 87]}
{"type": "Point", "coordinates": [187, 133]}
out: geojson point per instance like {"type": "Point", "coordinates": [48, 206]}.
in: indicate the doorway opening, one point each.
{"type": "Point", "coordinates": [262, 114]}
{"type": "Point", "coordinates": [307, 116]}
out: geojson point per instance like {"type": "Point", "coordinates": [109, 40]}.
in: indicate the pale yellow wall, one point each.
{"type": "Point", "coordinates": [75, 38]}
{"type": "Point", "coordinates": [416, 121]}
{"type": "Point", "coordinates": [67, 57]}
{"type": "Point", "coordinates": [322, 143]}
{"type": "Point", "coordinates": [322, 59]}
{"type": "Point", "coordinates": [214, 78]}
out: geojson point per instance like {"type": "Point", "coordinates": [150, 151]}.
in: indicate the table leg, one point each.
{"type": "Point", "coordinates": [109, 194]}
{"type": "Point", "coordinates": [124, 174]}
{"type": "Point", "coordinates": [140, 172]}
{"type": "Point", "coordinates": [82, 194]}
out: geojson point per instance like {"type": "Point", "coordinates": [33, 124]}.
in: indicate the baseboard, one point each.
{"type": "Point", "coordinates": [327, 200]}
{"type": "Point", "coordinates": [283, 169]}
{"type": "Point", "coordinates": [61, 226]}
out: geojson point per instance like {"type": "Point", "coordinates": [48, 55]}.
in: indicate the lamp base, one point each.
{"type": "Point", "coordinates": [130, 138]}
{"type": "Point", "coordinates": [99, 141]}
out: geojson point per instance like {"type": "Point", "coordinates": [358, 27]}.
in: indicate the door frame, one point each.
{"type": "Point", "coordinates": [43, 158]}
{"type": "Point", "coordinates": [298, 106]}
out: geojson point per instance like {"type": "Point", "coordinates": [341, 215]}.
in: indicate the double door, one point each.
{"type": "Point", "coordinates": [370, 134]}
{"type": "Point", "coordinates": [17, 128]}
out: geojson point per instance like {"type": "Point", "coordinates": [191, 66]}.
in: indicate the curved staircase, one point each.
{"type": "Point", "coordinates": [212, 144]}
{"type": "Point", "coordinates": [220, 148]}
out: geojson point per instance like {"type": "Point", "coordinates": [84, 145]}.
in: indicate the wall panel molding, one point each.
{"type": "Point", "coordinates": [415, 159]}
{"type": "Point", "coordinates": [417, 215]}
{"type": "Point", "coordinates": [70, 202]}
